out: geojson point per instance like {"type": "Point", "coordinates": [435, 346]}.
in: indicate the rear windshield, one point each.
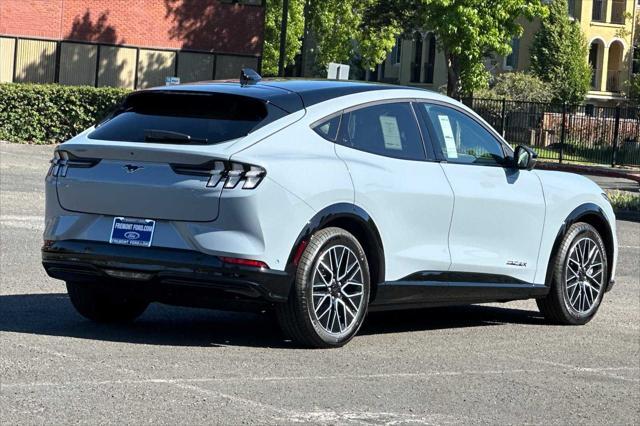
{"type": "Point", "coordinates": [187, 118]}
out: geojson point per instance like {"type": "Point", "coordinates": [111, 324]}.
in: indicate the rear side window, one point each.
{"type": "Point", "coordinates": [328, 128]}
{"type": "Point", "coordinates": [388, 129]}
{"type": "Point", "coordinates": [185, 117]}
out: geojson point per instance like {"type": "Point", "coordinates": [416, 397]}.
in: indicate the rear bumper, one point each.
{"type": "Point", "coordinates": [165, 275]}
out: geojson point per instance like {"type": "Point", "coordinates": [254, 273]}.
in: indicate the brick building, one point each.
{"type": "Point", "coordinates": [128, 43]}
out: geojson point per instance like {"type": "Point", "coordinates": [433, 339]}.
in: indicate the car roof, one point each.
{"type": "Point", "coordinates": [289, 94]}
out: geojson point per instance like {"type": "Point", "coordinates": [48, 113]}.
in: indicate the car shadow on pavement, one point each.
{"type": "Point", "coordinates": [447, 317]}
{"type": "Point", "coordinates": [52, 314]}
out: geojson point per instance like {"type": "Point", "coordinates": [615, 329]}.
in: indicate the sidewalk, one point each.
{"type": "Point", "coordinates": [604, 171]}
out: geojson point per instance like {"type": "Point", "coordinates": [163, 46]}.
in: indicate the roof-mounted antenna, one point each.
{"type": "Point", "coordinates": [249, 76]}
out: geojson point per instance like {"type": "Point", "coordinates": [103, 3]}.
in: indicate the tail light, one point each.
{"type": "Point", "coordinates": [224, 173]}
{"type": "Point", "coordinates": [62, 160]}
{"type": "Point", "coordinates": [244, 262]}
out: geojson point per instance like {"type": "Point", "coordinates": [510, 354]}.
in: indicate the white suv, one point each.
{"type": "Point", "coordinates": [321, 199]}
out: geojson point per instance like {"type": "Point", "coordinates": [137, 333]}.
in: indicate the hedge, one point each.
{"type": "Point", "coordinates": [51, 113]}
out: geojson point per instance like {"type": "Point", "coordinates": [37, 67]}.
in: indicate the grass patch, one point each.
{"type": "Point", "coordinates": [591, 155]}
{"type": "Point", "coordinates": [623, 200]}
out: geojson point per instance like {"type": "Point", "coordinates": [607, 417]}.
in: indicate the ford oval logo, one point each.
{"type": "Point", "coordinates": [131, 235]}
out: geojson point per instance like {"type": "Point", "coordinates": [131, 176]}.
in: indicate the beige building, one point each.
{"type": "Point", "coordinates": [416, 61]}
{"type": "Point", "coordinates": [607, 25]}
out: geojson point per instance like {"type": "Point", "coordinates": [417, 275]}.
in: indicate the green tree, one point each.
{"type": "Point", "coordinates": [466, 31]}
{"type": "Point", "coordinates": [518, 86]}
{"type": "Point", "coordinates": [559, 55]}
{"type": "Point", "coordinates": [338, 33]}
{"type": "Point", "coordinates": [272, 25]}
{"type": "Point", "coordinates": [341, 34]}
{"type": "Point", "coordinates": [634, 89]}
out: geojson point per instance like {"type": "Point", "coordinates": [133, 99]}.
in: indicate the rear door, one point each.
{"type": "Point", "coordinates": [398, 184]}
{"type": "Point", "coordinates": [499, 211]}
{"type": "Point", "coordinates": [159, 157]}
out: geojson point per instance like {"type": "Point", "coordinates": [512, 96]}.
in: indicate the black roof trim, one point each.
{"type": "Point", "coordinates": [283, 99]}
{"type": "Point", "coordinates": [315, 91]}
{"type": "Point", "coordinates": [290, 95]}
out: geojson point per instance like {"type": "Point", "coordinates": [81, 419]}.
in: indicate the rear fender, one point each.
{"type": "Point", "coordinates": [354, 220]}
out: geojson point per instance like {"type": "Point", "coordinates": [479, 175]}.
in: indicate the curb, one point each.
{"type": "Point", "coordinates": [627, 215]}
{"type": "Point", "coordinates": [590, 170]}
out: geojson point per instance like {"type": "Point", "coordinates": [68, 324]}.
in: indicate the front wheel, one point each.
{"type": "Point", "coordinates": [329, 299]}
{"type": "Point", "coordinates": [100, 305]}
{"type": "Point", "coordinates": [579, 277]}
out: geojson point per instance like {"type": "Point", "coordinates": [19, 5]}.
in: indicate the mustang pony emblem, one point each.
{"type": "Point", "coordinates": [130, 168]}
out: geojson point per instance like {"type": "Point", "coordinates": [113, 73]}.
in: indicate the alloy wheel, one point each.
{"type": "Point", "coordinates": [338, 290]}
{"type": "Point", "coordinates": [584, 276]}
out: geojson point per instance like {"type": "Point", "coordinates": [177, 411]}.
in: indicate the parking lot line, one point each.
{"type": "Point", "coordinates": [423, 375]}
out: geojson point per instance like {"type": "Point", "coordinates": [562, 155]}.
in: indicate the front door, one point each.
{"type": "Point", "coordinates": [498, 211]}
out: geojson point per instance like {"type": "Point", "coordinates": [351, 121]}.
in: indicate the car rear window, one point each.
{"type": "Point", "coordinates": [185, 117]}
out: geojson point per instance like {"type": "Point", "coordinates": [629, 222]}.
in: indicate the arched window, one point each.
{"type": "Point", "coordinates": [429, 66]}
{"type": "Point", "coordinates": [416, 65]}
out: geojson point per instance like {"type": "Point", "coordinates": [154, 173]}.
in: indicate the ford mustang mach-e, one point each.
{"type": "Point", "coordinates": [320, 199]}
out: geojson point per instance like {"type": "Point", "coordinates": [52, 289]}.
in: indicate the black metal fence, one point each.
{"type": "Point", "coordinates": [577, 133]}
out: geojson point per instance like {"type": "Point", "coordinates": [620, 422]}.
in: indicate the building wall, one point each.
{"type": "Point", "coordinates": [134, 43]}
{"type": "Point", "coordinates": [400, 72]}
{"type": "Point", "coordinates": [78, 64]}
{"type": "Point", "coordinates": [208, 25]}
{"type": "Point", "coordinates": [195, 66]}
{"type": "Point", "coordinates": [7, 47]}
{"type": "Point", "coordinates": [32, 61]}
{"type": "Point", "coordinates": [615, 43]}
{"type": "Point", "coordinates": [117, 67]}
{"type": "Point", "coordinates": [525, 43]}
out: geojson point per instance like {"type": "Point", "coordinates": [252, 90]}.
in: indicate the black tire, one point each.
{"type": "Point", "coordinates": [557, 305]}
{"type": "Point", "coordinates": [100, 305]}
{"type": "Point", "coordinates": [299, 319]}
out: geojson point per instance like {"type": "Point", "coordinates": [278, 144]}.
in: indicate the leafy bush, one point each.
{"type": "Point", "coordinates": [51, 113]}
{"type": "Point", "coordinates": [634, 88]}
{"type": "Point", "coordinates": [624, 200]}
{"type": "Point", "coordinates": [518, 86]}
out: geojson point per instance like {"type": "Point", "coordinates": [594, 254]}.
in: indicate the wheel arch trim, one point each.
{"type": "Point", "coordinates": [338, 214]}
{"type": "Point", "coordinates": [581, 212]}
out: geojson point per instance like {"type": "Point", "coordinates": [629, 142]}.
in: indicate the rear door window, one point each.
{"type": "Point", "coordinates": [388, 129]}
{"type": "Point", "coordinates": [185, 117]}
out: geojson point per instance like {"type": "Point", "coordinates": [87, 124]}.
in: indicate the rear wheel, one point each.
{"type": "Point", "coordinates": [328, 302]}
{"type": "Point", "coordinates": [100, 305]}
{"type": "Point", "coordinates": [579, 277]}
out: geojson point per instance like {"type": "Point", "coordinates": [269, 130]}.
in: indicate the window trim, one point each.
{"type": "Point", "coordinates": [507, 151]}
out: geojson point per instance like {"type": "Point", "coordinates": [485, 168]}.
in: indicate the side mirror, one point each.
{"type": "Point", "coordinates": [525, 157]}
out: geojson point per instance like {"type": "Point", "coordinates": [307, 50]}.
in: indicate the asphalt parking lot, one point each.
{"type": "Point", "coordinates": [481, 364]}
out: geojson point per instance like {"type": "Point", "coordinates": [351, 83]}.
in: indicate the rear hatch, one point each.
{"type": "Point", "coordinates": [159, 156]}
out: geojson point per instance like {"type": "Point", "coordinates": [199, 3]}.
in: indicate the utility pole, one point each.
{"type": "Point", "coordinates": [283, 37]}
